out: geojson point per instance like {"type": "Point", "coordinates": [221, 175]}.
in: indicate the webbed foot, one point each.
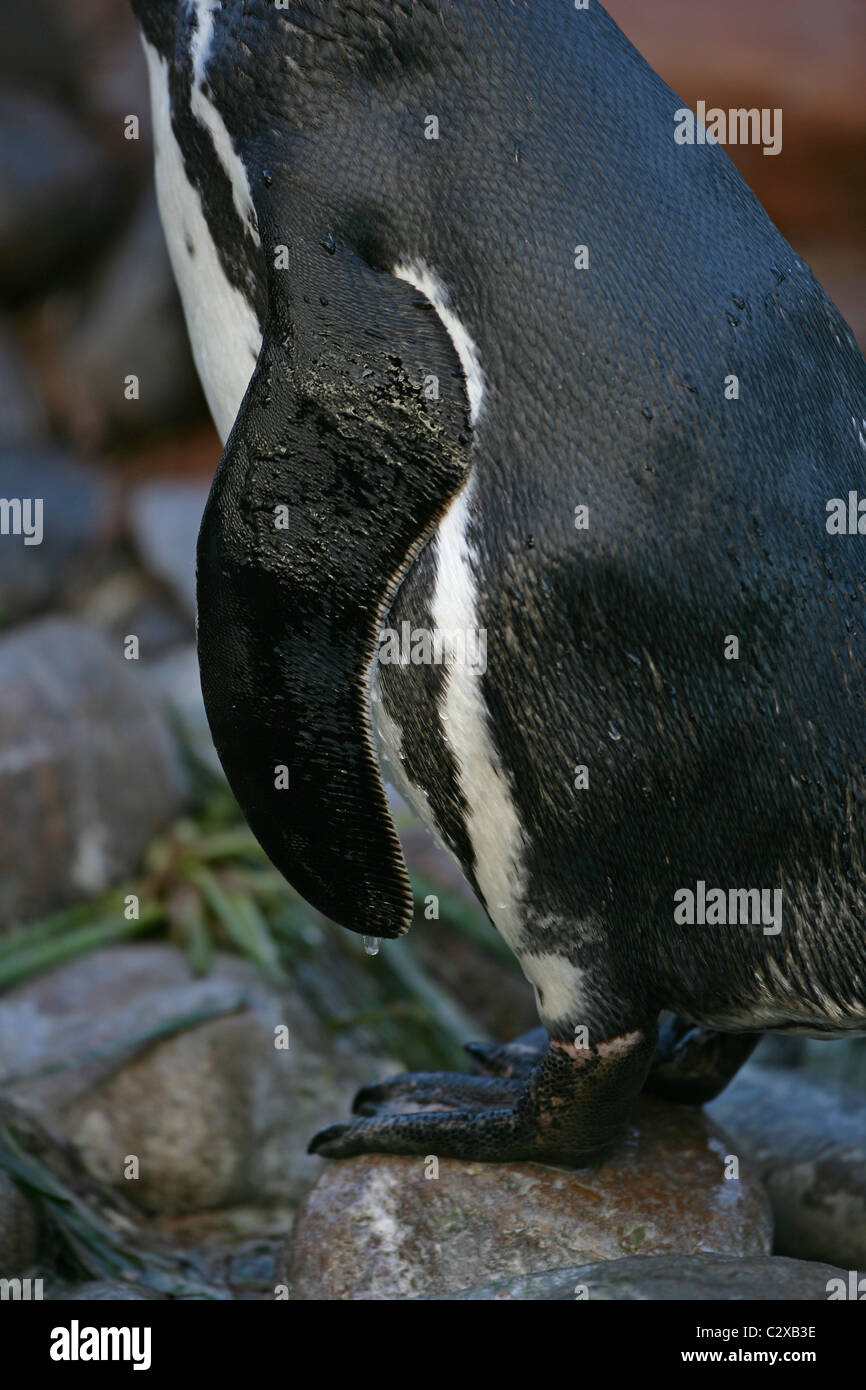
{"type": "Point", "coordinates": [571, 1109]}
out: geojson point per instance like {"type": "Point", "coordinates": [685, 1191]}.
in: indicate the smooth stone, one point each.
{"type": "Point", "coordinates": [175, 682]}
{"type": "Point", "coordinates": [131, 322]}
{"type": "Point", "coordinates": [215, 1112]}
{"type": "Point", "coordinates": [79, 515]}
{"type": "Point", "coordinates": [57, 194]}
{"type": "Point", "coordinates": [673, 1278]}
{"type": "Point", "coordinates": [104, 1291]}
{"type": "Point", "coordinates": [23, 417]}
{"type": "Point", "coordinates": [375, 1227]}
{"type": "Point", "coordinates": [88, 770]}
{"type": "Point", "coordinates": [806, 1141]}
{"type": "Point", "coordinates": [165, 518]}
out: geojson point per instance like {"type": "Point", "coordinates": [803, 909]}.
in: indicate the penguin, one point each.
{"type": "Point", "coordinates": [501, 364]}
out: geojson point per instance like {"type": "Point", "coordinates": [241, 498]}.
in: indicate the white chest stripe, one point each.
{"type": "Point", "coordinates": [223, 328]}
{"type": "Point", "coordinates": [427, 282]}
{"type": "Point", "coordinates": [492, 824]}
{"type": "Point", "coordinates": [207, 115]}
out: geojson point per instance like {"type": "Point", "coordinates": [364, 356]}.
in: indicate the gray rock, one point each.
{"type": "Point", "coordinates": [104, 1291]}
{"type": "Point", "coordinates": [132, 323]}
{"type": "Point", "coordinates": [675, 1278]}
{"type": "Point", "coordinates": [109, 71]}
{"type": "Point", "coordinates": [23, 418]}
{"type": "Point", "coordinates": [378, 1227]}
{"type": "Point", "coordinates": [176, 683]}
{"type": "Point", "coordinates": [807, 1142]}
{"type": "Point", "coordinates": [165, 519]}
{"type": "Point", "coordinates": [215, 1113]}
{"type": "Point", "coordinates": [88, 771]}
{"type": "Point", "coordinates": [78, 512]}
{"type": "Point", "coordinates": [843, 1061]}
{"type": "Point", "coordinates": [57, 194]}
{"type": "Point", "coordinates": [19, 1229]}
{"type": "Point", "coordinates": [124, 600]}
{"type": "Point", "coordinates": [35, 41]}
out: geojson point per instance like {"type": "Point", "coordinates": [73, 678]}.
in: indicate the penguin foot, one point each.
{"type": "Point", "coordinates": [693, 1064]}
{"type": "Point", "coordinates": [435, 1090]}
{"type": "Point", "coordinates": [571, 1110]}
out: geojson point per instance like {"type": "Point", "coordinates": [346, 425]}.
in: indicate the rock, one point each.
{"type": "Point", "coordinates": [125, 600]}
{"type": "Point", "coordinates": [375, 1227]}
{"type": "Point", "coordinates": [246, 1267]}
{"type": "Point", "coordinates": [176, 684]}
{"type": "Point", "coordinates": [675, 1278]}
{"type": "Point", "coordinates": [104, 1291]}
{"type": "Point", "coordinates": [23, 418]}
{"type": "Point", "coordinates": [780, 1050]}
{"type": "Point", "coordinates": [110, 72]}
{"type": "Point", "coordinates": [132, 323]}
{"type": "Point", "coordinates": [165, 519]}
{"type": "Point", "coordinates": [844, 1062]}
{"type": "Point", "coordinates": [215, 1113]}
{"type": "Point", "coordinates": [19, 1229]}
{"type": "Point", "coordinates": [57, 195]}
{"type": "Point", "coordinates": [35, 44]}
{"type": "Point", "coordinates": [88, 771]}
{"type": "Point", "coordinates": [77, 512]}
{"type": "Point", "coordinates": [807, 1142]}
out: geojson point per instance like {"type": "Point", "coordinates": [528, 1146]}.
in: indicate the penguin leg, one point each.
{"type": "Point", "coordinates": [693, 1064]}
{"type": "Point", "coordinates": [573, 1108]}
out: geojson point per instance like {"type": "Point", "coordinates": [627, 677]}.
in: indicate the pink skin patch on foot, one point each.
{"type": "Point", "coordinates": [612, 1047]}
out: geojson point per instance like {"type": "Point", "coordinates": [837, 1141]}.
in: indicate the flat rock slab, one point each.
{"type": "Point", "coordinates": [125, 1052]}
{"type": "Point", "coordinates": [807, 1142]}
{"type": "Point", "coordinates": [671, 1278]}
{"type": "Point", "coordinates": [88, 769]}
{"type": "Point", "coordinates": [376, 1227]}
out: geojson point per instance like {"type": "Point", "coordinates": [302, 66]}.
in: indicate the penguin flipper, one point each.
{"type": "Point", "coordinates": [336, 471]}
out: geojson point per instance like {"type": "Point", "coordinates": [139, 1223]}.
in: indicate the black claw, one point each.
{"type": "Point", "coordinates": [515, 1060]}
{"type": "Point", "coordinates": [480, 1052]}
{"type": "Point", "coordinates": [323, 1142]}
{"type": "Point", "coordinates": [367, 1099]}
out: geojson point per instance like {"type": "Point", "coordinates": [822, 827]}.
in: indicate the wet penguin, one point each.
{"type": "Point", "coordinates": [523, 367]}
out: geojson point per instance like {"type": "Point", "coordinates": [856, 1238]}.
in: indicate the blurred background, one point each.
{"type": "Point", "coordinates": [115, 823]}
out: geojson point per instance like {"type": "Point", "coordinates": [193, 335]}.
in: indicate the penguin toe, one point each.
{"type": "Point", "coordinates": [431, 1091]}
{"type": "Point", "coordinates": [459, 1134]}
{"type": "Point", "coordinates": [329, 1141]}
{"type": "Point", "coordinates": [517, 1059]}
